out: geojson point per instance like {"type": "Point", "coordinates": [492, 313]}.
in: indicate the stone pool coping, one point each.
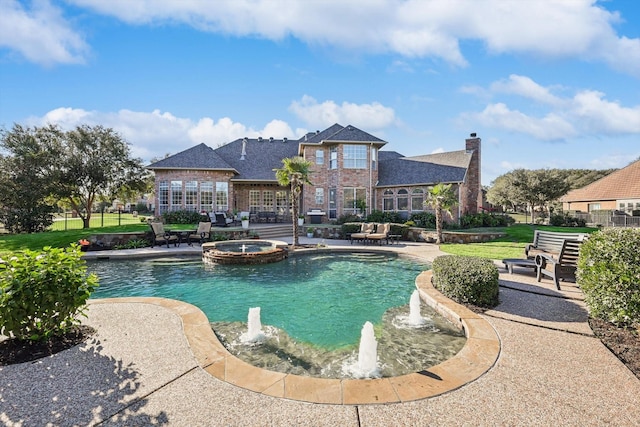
{"type": "Point", "coordinates": [478, 355]}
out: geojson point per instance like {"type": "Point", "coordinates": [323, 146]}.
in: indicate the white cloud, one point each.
{"type": "Point", "coordinates": [580, 29]}
{"type": "Point", "coordinates": [40, 34]}
{"type": "Point", "coordinates": [367, 116]}
{"type": "Point", "coordinates": [154, 134]}
{"type": "Point", "coordinates": [586, 113]}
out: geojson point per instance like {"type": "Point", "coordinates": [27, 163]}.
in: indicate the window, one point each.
{"type": "Point", "coordinates": [267, 201]}
{"type": "Point", "coordinates": [403, 200]}
{"type": "Point", "coordinates": [374, 158]}
{"type": "Point", "coordinates": [593, 207]}
{"type": "Point", "coordinates": [254, 201]}
{"type": "Point", "coordinates": [319, 157]}
{"type": "Point", "coordinates": [351, 196]}
{"type": "Point", "coordinates": [191, 195]}
{"type": "Point", "coordinates": [333, 197]}
{"type": "Point", "coordinates": [354, 156]}
{"type": "Point", "coordinates": [319, 196]}
{"type": "Point", "coordinates": [333, 157]}
{"type": "Point", "coordinates": [417, 199]}
{"type": "Point", "coordinates": [176, 195]}
{"type": "Point", "coordinates": [163, 196]}
{"type": "Point", "coordinates": [282, 207]}
{"type": "Point", "coordinates": [387, 201]}
{"type": "Point", "coordinates": [222, 196]}
{"type": "Point", "coordinates": [206, 196]}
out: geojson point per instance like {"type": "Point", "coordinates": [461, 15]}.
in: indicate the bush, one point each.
{"type": "Point", "coordinates": [43, 293]}
{"type": "Point", "coordinates": [483, 219]}
{"type": "Point", "coordinates": [182, 217]}
{"type": "Point", "coordinates": [424, 219]}
{"type": "Point", "coordinates": [609, 274]}
{"type": "Point", "coordinates": [342, 219]}
{"type": "Point", "coordinates": [564, 220]}
{"type": "Point", "coordinates": [467, 280]}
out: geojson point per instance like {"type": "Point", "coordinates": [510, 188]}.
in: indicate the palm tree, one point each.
{"type": "Point", "coordinates": [294, 173]}
{"type": "Point", "coordinates": [441, 197]}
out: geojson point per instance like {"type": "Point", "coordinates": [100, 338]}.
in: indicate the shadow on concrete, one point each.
{"type": "Point", "coordinates": [97, 391]}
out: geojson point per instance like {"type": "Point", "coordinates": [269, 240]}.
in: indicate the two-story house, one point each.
{"type": "Point", "coordinates": [349, 171]}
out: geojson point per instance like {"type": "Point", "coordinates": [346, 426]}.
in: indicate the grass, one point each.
{"type": "Point", "coordinates": [510, 246]}
{"type": "Point", "coordinates": [97, 220]}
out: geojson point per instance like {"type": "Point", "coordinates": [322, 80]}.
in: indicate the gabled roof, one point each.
{"type": "Point", "coordinates": [261, 157]}
{"type": "Point", "coordinates": [199, 157]}
{"type": "Point", "coordinates": [621, 184]}
{"type": "Point", "coordinates": [430, 169]}
{"type": "Point", "coordinates": [339, 133]}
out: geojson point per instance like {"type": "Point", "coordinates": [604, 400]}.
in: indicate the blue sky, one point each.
{"type": "Point", "coordinates": [545, 84]}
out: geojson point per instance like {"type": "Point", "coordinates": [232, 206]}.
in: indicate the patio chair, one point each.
{"type": "Point", "coordinates": [381, 233]}
{"type": "Point", "coordinates": [161, 237]}
{"type": "Point", "coordinates": [365, 229]}
{"type": "Point", "coordinates": [202, 233]}
{"type": "Point", "coordinates": [220, 220]}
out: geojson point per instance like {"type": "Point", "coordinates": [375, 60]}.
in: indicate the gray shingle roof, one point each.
{"type": "Point", "coordinates": [339, 133]}
{"type": "Point", "coordinates": [262, 156]}
{"type": "Point", "coordinates": [395, 170]}
{"type": "Point", "coordinates": [199, 157]}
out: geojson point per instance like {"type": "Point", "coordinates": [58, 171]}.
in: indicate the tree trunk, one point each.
{"type": "Point", "coordinates": [295, 194]}
{"type": "Point", "coordinates": [438, 225]}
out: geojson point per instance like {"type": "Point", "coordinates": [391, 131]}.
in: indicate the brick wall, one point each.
{"type": "Point", "coordinates": [471, 190]}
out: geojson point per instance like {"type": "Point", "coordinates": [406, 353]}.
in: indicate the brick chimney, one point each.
{"type": "Point", "coordinates": [472, 188]}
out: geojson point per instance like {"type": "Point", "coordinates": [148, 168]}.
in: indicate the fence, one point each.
{"type": "Point", "coordinates": [608, 220]}
{"type": "Point", "coordinates": [70, 221]}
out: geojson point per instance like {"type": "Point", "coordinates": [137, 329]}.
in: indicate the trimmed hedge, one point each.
{"type": "Point", "coordinates": [467, 280]}
{"type": "Point", "coordinates": [609, 274]}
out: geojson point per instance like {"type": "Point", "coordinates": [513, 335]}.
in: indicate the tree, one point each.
{"type": "Point", "coordinates": [96, 163]}
{"type": "Point", "coordinates": [26, 177]}
{"type": "Point", "coordinates": [441, 197]}
{"type": "Point", "coordinates": [539, 187]}
{"type": "Point", "coordinates": [294, 173]}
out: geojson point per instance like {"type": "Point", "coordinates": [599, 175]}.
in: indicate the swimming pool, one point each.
{"type": "Point", "coordinates": [322, 299]}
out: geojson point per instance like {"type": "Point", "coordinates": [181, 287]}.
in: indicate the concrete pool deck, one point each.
{"type": "Point", "coordinates": [140, 369]}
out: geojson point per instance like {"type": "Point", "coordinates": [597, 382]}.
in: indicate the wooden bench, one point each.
{"type": "Point", "coordinates": [549, 242]}
{"type": "Point", "coordinates": [563, 267]}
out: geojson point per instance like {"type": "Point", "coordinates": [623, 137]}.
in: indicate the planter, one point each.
{"type": "Point", "coordinates": [300, 221]}
{"type": "Point", "coordinates": [245, 223]}
{"type": "Point", "coordinates": [309, 235]}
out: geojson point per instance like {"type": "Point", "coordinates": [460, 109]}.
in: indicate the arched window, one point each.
{"type": "Point", "coordinates": [387, 201]}
{"type": "Point", "coordinates": [403, 200]}
{"type": "Point", "coordinates": [417, 200]}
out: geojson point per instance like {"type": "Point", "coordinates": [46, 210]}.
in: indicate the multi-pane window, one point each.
{"type": "Point", "coordinates": [206, 196]}
{"type": "Point", "coordinates": [388, 201]}
{"type": "Point", "coordinates": [222, 196]}
{"type": "Point", "coordinates": [267, 201]}
{"type": "Point", "coordinates": [403, 200]}
{"type": "Point", "coordinates": [333, 196]}
{"type": "Point", "coordinates": [417, 199]}
{"type": "Point", "coordinates": [191, 195]}
{"type": "Point", "coordinates": [319, 157]}
{"type": "Point", "coordinates": [374, 158]}
{"type": "Point", "coordinates": [176, 195]}
{"type": "Point", "coordinates": [333, 157]}
{"type": "Point", "coordinates": [319, 196]}
{"type": "Point", "coordinates": [282, 207]}
{"type": "Point", "coordinates": [354, 156]}
{"type": "Point", "coordinates": [163, 196]}
{"type": "Point", "coordinates": [351, 196]}
{"type": "Point", "coordinates": [254, 201]}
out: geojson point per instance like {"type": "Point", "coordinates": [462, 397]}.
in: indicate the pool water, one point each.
{"type": "Point", "coordinates": [320, 299]}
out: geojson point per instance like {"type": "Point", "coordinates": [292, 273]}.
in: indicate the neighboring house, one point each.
{"type": "Point", "coordinates": [620, 190]}
{"type": "Point", "coordinates": [349, 169]}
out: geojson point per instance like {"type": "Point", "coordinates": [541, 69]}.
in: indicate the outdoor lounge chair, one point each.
{"type": "Point", "coordinates": [365, 229]}
{"type": "Point", "coordinates": [220, 220]}
{"type": "Point", "coordinates": [162, 237]}
{"type": "Point", "coordinates": [563, 267]}
{"type": "Point", "coordinates": [202, 233]}
{"type": "Point", "coordinates": [381, 233]}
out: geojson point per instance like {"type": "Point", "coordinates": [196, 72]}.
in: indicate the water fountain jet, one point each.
{"type": "Point", "coordinates": [254, 327]}
{"type": "Point", "coordinates": [415, 319]}
{"type": "Point", "coordinates": [368, 351]}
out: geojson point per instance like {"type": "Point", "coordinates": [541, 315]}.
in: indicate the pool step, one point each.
{"type": "Point", "coordinates": [273, 231]}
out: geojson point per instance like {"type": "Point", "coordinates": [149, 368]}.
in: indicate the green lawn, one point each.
{"type": "Point", "coordinates": [511, 246]}
{"type": "Point", "coordinates": [97, 220]}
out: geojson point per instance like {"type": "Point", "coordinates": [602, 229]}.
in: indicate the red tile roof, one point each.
{"type": "Point", "coordinates": [621, 184]}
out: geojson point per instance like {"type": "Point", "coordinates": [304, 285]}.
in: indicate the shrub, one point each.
{"type": "Point", "coordinates": [609, 274]}
{"type": "Point", "coordinates": [43, 293]}
{"type": "Point", "coordinates": [483, 219]}
{"type": "Point", "coordinates": [182, 217]}
{"type": "Point", "coordinates": [349, 228]}
{"type": "Point", "coordinates": [348, 218]}
{"type": "Point", "coordinates": [133, 244]}
{"type": "Point", "coordinates": [564, 220]}
{"type": "Point", "coordinates": [467, 280]}
{"type": "Point", "coordinates": [424, 219]}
